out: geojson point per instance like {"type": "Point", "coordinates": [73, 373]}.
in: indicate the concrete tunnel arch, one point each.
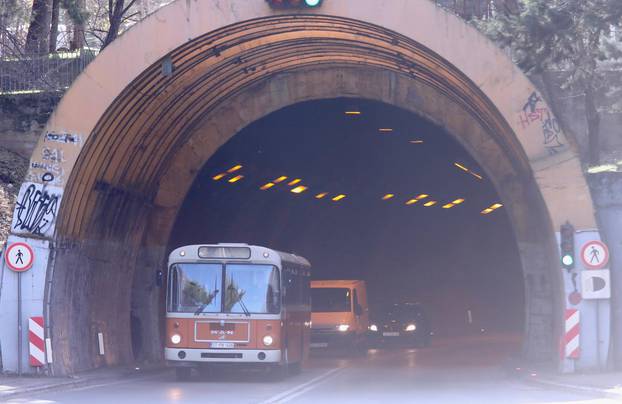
{"type": "Point", "coordinates": [136, 127]}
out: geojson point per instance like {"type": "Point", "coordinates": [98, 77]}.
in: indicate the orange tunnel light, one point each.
{"type": "Point", "coordinates": [339, 197]}
{"type": "Point", "coordinates": [267, 186]}
{"type": "Point", "coordinates": [294, 182]}
{"type": "Point", "coordinates": [236, 178]}
{"type": "Point", "coordinates": [299, 189]}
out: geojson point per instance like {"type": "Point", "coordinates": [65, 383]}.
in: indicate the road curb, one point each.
{"type": "Point", "coordinates": [575, 387]}
{"type": "Point", "coordinates": [73, 383]}
{"type": "Point", "coordinates": [41, 389]}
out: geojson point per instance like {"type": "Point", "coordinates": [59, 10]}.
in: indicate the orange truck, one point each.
{"type": "Point", "coordinates": [339, 315]}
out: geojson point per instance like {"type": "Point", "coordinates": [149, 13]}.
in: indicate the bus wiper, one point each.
{"type": "Point", "coordinates": [210, 299]}
{"type": "Point", "coordinates": [244, 308]}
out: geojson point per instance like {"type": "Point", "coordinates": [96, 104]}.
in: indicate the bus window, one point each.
{"type": "Point", "coordinates": [326, 300]}
{"type": "Point", "coordinates": [251, 289]}
{"type": "Point", "coordinates": [196, 288]}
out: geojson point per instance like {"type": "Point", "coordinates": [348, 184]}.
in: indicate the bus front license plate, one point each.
{"type": "Point", "coordinates": [390, 334]}
{"type": "Point", "coordinates": [222, 345]}
{"type": "Point", "coordinates": [319, 344]}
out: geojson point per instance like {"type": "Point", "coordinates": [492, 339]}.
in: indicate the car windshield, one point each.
{"type": "Point", "coordinates": [330, 300]}
{"type": "Point", "coordinates": [245, 288]}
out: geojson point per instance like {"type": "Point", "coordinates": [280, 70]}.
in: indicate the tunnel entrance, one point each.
{"type": "Point", "coordinates": [133, 152]}
{"type": "Point", "coordinates": [415, 220]}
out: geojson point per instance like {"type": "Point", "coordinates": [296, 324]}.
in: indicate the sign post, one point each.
{"type": "Point", "coordinates": [595, 282]}
{"type": "Point", "coordinates": [19, 257]}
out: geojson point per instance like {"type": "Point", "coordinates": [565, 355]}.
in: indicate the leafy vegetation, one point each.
{"type": "Point", "coordinates": [579, 37]}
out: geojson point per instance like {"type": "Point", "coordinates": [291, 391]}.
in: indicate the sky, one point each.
{"type": "Point", "coordinates": [452, 260]}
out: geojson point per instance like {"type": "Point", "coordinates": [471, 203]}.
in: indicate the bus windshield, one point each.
{"type": "Point", "coordinates": [251, 289]}
{"type": "Point", "coordinates": [326, 300]}
{"type": "Point", "coordinates": [245, 288]}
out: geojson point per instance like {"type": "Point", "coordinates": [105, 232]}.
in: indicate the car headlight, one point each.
{"type": "Point", "coordinates": [267, 340]}
{"type": "Point", "coordinates": [373, 327]}
{"type": "Point", "coordinates": [343, 327]}
{"type": "Point", "coordinates": [411, 327]}
{"type": "Point", "coordinates": [175, 339]}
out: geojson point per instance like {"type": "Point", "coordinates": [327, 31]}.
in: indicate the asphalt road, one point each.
{"type": "Point", "coordinates": [459, 371]}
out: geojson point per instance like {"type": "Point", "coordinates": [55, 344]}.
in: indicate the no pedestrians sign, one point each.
{"type": "Point", "coordinates": [19, 257]}
{"type": "Point", "coordinates": [595, 255]}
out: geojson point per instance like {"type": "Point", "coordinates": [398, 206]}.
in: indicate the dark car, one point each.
{"type": "Point", "coordinates": [399, 323]}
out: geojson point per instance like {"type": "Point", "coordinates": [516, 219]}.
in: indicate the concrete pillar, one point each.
{"type": "Point", "coordinates": [607, 194]}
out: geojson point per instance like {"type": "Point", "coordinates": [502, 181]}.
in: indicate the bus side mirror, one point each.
{"type": "Point", "coordinates": [159, 279]}
{"type": "Point", "coordinates": [358, 310]}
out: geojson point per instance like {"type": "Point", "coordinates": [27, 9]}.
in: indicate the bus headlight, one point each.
{"type": "Point", "coordinates": [343, 327]}
{"type": "Point", "coordinates": [175, 339]}
{"type": "Point", "coordinates": [373, 327]}
{"type": "Point", "coordinates": [267, 340]}
{"type": "Point", "coordinates": [411, 327]}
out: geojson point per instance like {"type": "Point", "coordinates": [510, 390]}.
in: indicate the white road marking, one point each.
{"type": "Point", "coordinates": [296, 391]}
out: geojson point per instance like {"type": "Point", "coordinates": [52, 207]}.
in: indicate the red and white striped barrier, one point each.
{"type": "Point", "coordinates": [36, 341]}
{"type": "Point", "coordinates": [571, 336]}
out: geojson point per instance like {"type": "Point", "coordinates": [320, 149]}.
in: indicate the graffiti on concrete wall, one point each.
{"type": "Point", "coordinates": [36, 209]}
{"type": "Point", "coordinates": [534, 111]}
{"type": "Point", "coordinates": [48, 161]}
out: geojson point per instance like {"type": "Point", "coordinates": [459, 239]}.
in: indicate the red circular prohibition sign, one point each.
{"type": "Point", "coordinates": [18, 268]}
{"type": "Point", "coordinates": [602, 263]}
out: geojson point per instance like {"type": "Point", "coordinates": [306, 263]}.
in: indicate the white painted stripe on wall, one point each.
{"type": "Point", "coordinates": [48, 350]}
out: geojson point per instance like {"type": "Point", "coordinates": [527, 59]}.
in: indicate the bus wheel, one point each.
{"type": "Point", "coordinates": [183, 374]}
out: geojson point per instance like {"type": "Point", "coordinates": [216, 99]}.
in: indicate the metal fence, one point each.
{"type": "Point", "coordinates": [42, 74]}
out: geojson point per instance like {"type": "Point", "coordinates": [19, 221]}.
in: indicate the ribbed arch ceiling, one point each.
{"type": "Point", "coordinates": [135, 140]}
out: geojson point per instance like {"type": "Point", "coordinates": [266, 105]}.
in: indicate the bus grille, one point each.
{"type": "Point", "coordinates": [221, 355]}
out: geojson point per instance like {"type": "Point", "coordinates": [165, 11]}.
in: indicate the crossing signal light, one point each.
{"type": "Point", "coordinates": [294, 3]}
{"type": "Point", "coordinates": [566, 244]}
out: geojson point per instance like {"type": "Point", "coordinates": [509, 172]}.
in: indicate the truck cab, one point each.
{"type": "Point", "coordinates": [339, 315]}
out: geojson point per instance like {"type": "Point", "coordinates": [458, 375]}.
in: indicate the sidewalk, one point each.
{"type": "Point", "coordinates": [603, 384]}
{"type": "Point", "coordinates": [13, 386]}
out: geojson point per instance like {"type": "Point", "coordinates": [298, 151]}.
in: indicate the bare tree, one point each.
{"type": "Point", "coordinates": [39, 30]}
{"type": "Point", "coordinates": [117, 13]}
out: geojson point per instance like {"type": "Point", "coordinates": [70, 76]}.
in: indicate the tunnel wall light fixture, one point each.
{"type": "Point", "coordinates": [339, 197]}
{"type": "Point", "coordinates": [218, 177]}
{"type": "Point", "coordinates": [267, 186]}
{"type": "Point", "coordinates": [299, 189]}
{"type": "Point", "coordinates": [430, 203]}
{"type": "Point", "coordinates": [234, 168]}
{"type": "Point", "coordinates": [294, 182]}
{"type": "Point", "coordinates": [236, 178]}
{"type": "Point", "coordinates": [387, 197]}
{"type": "Point", "coordinates": [280, 179]}
{"type": "Point", "coordinates": [491, 208]}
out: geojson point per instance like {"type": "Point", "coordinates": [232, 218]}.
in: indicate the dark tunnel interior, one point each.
{"type": "Point", "coordinates": [387, 164]}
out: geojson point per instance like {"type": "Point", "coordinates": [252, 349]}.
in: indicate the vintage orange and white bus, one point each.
{"type": "Point", "coordinates": [236, 303]}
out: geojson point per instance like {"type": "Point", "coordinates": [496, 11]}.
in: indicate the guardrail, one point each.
{"type": "Point", "coordinates": [42, 74]}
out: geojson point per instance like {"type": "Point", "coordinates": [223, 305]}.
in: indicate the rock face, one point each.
{"type": "Point", "coordinates": [12, 171]}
